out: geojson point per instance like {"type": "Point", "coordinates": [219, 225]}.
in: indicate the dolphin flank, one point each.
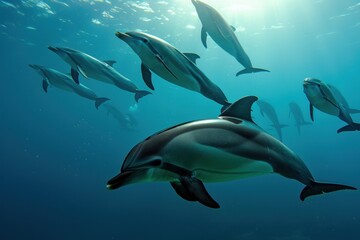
{"type": "Point", "coordinates": [229, 147]}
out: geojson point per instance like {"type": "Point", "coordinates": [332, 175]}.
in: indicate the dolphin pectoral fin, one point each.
{"type": "Point", "coordinates": [99, 101]}
{"type": "Point", "coordinates": [183, 192]}
{"type": "Point", "coordinates": [233, 28]}
{"type": "Point", "coordinates": [82, 71]}
{"type": "Point", "coordinates": [192, 56]}
{"type": "Point", "coordinates": [240, 109]}
{"type": "Point", "coordinates": [75, 75]}
{"type": "Point", "coordinates": [251, 70]}
{"type": "Point", "coordinates": [110, 62]}
{"type": "Point", "coordinates": [320, 188]}
{"type": "Point", "coordinates": [140, 93]}
{"type": "Point", "coordinates": [312, 112]}
{"type": "Point", "coordinates": [164, 64]}
{"type": "Point", "coordinates": [45, 85]}
{"type": "Point", "coordinates": [198, 191]}
{"type": "Point", "coordinates": [203, 37]}
{"type": "Point", "coordinates": [146, 75]}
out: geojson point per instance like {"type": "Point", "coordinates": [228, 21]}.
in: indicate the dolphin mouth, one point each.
{"type": "Point", "coordinates": [126, 178]}
{"type": "Point", "coordinates": [121, 35]}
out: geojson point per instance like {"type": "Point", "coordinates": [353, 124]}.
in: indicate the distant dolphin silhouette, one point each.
{"type": "Point", "coordinates": [228, 148]}
{"type": "Point", "coordinates": [298, 115]}
{"type": "Point", "coordinates": [269, 111]}
{"type": "Point", "coordinates": [91, 67]}
{"type": "Point", "coordinates": [223, 34]}
{"type": "Point", "coordinates": [64, 82]}
{"type": "Point", "coordinates": [170, 64]}
{"type": "Point", "coordinates": [125, 120]}
{"type": "Point", "coordinates": [321, 96]}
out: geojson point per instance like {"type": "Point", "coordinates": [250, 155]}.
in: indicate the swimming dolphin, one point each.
{"type": "Point", "coordinates": [64, 82]}
{"type": "Point", "coordinates": [169, 63]}
{"type": "Point", "coordinates": [125, 120]}
{"type": "Point", "coordinates": [91, 67]}
{"type": "Point", "coordinates": [321, 96]}
{"type": "Point", "coordinates": [342, 100]}
{"type": "Point", "coordinates": [228, 148]}
{"type": "Point", "coordinates": [223, 34]}
{"type": "Point", "coordinates": [269, 111]}
{"type": "Point", "coordinates": [298, 115]}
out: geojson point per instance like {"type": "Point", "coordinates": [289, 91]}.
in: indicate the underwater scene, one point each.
{"type": "Point", "coordinates": [180, 119]}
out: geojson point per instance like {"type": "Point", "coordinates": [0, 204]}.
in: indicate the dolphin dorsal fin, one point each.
{"type": "Point", "coordinates": [240, 109]}
{"type": "Point", "coordinates": [192, 56]}
{"type": "Point", "coordinates": [110, 62]}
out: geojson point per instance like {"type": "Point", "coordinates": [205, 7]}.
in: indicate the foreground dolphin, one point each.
{"type": "Point", "coordinates": [169, 63]}
{"type": "Point", "coordinates": [269, 111]}
{"type": "Point", "coordinates": [223, 34]}
{"type": "Point", "coordinates": [298, 115]}
{"type": "Point", "coordinates": [321, 96]}
{"type": "Point", "coordinates": [91, 67]}
{"type": "Point", "coordinates": [228, 148]}
{"type": "Point", "coordinates": [64, 82]}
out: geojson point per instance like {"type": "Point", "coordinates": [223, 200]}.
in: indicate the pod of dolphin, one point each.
{"type": "Point", "coordinates": [229, 147]}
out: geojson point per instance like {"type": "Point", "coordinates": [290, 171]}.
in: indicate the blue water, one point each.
{"type": "Point", "coordinates": [58, 151]}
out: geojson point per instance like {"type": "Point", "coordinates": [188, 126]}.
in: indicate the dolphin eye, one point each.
{"type": "Point", "coordinates": [144, 40]}
{"type": "Point", "coordinates": [155, 163]}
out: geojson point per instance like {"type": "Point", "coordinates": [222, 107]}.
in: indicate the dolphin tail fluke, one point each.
{"type": "Point", "coordinates": [251, 70]}
{"type": "Point", "coordinates": [350, 127]}
{"type": "Point", "coordinates": [319, 188]}
{"type": "Point", "coordinates": [352, 111]}
{"type": "Point", "coordinates": [140, 93]}
{"type": "Point", "coordinates": [99, 101]}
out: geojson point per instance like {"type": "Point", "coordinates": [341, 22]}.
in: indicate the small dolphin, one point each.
{"type": "Point", "coordinates": [269, 111]}
{"type": "Point", "coordinates": [64, 82]}
{"type": "Point", "coordinates": [169, 63]}
{"type": "Point", "coordinates": [228, 148]}
{"type": "Point", "coordinates": [321, 96]}
{"type": "Point", "coordinates": [91, 67]}
{"type": "Point", "coordinates": [125, 120]}
{"type": "Point", "coordinates": [223, 34]}
{"type": "Point", "coordinates": [342, 100]}
{"type": "Point", "coordinates": [298, 115]}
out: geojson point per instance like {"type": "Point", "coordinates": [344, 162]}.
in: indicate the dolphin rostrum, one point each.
{"type": "Point", "coordinates": [298, 115]}
{"type": "Point", "coordinates": [91, 67]}
{"type": "Point", "coordinates": [64, 82]}
{"type": "Point", "coordinates": [321, 96]}
{"type": "Point", "coordinates": [228, 148]}
{"type": "Point", "coordinates": [223, 34]}
{"type": "Point", "coordinates": [169, 63]}
{"type": "Point", "coordinates": [269, 111]}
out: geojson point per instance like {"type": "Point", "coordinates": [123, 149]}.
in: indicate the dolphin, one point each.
{"type": "Point", "coordinates": [298, 115]}
{"type": "Point", "coordinates": [269, 111]}
{"type": "Point", "coordinates": [228, 148]}
{"type": "Point", "coordinates": [169, 63]}
{"type": "Point", "coordinates": [91, 67]}
{"type": "Point", "coordinates": [321, 96]}
{"type": "Point", "coordinates": [64, 82]}
{"type": "Point", "coordinates": [342, 100]}
{"type": "Point", "coordinates": [223, 34]}
{"type": "Point", "coordinates": [125, 120]}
